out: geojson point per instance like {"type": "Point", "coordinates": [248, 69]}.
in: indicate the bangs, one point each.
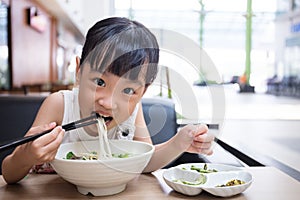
{"type": "Point", "coordinates": [134, 65]}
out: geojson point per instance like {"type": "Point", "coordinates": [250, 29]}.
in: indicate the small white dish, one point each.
{"type": "Point", "coordinates": [172, 175]}
{"type": "Point", "coordinates": [212, 180]}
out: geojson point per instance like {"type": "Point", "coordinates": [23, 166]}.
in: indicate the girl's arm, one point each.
{"type": "Point", "coordinates": [141, 131]}
{"type": "Point", "coordinates": [18, 164]}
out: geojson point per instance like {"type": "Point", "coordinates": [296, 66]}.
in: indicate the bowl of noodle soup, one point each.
{"type": "Point", "coordinates": [102, 167]}
{"type": "Point", "coordinates": [102, 177]}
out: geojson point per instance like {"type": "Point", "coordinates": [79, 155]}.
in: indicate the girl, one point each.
{"type": "Point", "coordinates": [118, 62]}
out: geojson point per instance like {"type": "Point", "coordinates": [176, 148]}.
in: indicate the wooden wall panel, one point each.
{"type": "Point", "coordinates": [31, 51]}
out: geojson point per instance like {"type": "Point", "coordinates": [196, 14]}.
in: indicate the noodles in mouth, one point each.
{"type": "Point", "coordinates": [105, 151]}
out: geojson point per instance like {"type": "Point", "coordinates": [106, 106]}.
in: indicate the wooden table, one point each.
{"type": "Point", "coordinates": [269, 183]}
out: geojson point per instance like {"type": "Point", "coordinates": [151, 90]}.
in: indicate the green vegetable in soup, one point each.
{"type": "Point", "coordinates": [92, 156]}
{"type": "Point", "coordinates": [124, 155]}
{"type": "Point", "coordinates": [71, 156]}
{"type": "Point", "coordinates": [84, 156]}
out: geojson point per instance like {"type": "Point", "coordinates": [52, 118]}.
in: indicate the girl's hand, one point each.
{"type": "Point", "coordinates": [195, 139]}
{"type": "Point", "coordinates": [44, 148]}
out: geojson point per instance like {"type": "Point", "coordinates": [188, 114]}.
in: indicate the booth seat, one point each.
{"type": "Point", "coordinates": [19, 111]}
{"type": "Point", "coordinates": [17, 115]}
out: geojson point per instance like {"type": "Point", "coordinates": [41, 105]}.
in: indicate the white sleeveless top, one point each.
{"type": "Point", "coordinates": [72, 113]}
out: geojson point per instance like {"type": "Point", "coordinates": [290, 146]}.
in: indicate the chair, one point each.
{"type": "Point", "coordinates": [27, 88]}
{"type": "Point", "coordinates": [160, 117]}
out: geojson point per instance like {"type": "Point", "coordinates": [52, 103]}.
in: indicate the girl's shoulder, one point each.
{"type": "Point", "coordinates": [56, 96]}
{"type": "Point", "coordinates": [54, 99]}
{"type": "Point", "coordinates": [51, 110]}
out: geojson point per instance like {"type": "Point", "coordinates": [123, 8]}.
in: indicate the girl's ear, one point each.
{"type": "Point", "coordinates": [146, 87]}
{"type": "Point", "coordinates": [77, 69]}
{"type": "Point", "coordinates": [77, 64]}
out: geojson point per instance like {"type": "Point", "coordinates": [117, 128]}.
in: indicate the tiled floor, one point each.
{"type": "Point", "coordinates": [254, 106]}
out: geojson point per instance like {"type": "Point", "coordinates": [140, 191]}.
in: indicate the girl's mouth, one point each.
{"type": "Point", "coordinates": [107, 119]}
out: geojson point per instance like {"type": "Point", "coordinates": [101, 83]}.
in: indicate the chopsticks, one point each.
{"type": "Point", "coordinates": [67, 127]}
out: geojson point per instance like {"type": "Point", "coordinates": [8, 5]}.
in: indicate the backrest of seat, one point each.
{"type": "Point", "coordinates": [16, 116]}
{"type": "Point", "coordinates": [18, 113]}
{"type": "Point", "coordinates": [160, 117]}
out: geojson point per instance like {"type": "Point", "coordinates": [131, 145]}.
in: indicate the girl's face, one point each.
{"type": "Point", "coordinates": [109, 95]}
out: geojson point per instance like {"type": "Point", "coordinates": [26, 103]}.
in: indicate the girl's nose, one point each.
{"type": "Point", "coordinates": [107, 101]}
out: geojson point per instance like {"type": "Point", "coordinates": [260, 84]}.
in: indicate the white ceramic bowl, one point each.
{"type": "Point", "coordinates": [212, 180]}
{"type": "Point", "coordinates": [102, 177]}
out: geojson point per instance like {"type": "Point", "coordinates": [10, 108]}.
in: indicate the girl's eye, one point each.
{"type": "Point", "coordinates": [100, 82]}
{"type": "Point", "coordinates": [128, 91]}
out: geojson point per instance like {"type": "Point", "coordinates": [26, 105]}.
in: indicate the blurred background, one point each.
{"type": "Point", "coordinates": [253, 44]}
{"type": "Point", "coordinates": [219, 27]}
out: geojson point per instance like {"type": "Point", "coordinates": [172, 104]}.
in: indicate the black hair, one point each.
{"type": "Point", "coordinates": [122, 47]}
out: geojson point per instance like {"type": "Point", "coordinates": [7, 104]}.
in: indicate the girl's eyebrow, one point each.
{"type": "Point", "coordinates": [96, 72]}
{"type": "Point", "coordinates": [128, 81]}
{"type": "Point", "coordinates": [137, 82]}
{"type": "Point", "coordinates": [92, 70]}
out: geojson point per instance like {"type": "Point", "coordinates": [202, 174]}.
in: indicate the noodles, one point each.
{"type": "Point", "coordinates": [105, 151]}
{"type": "Point", "coordinates": [104, 148]}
